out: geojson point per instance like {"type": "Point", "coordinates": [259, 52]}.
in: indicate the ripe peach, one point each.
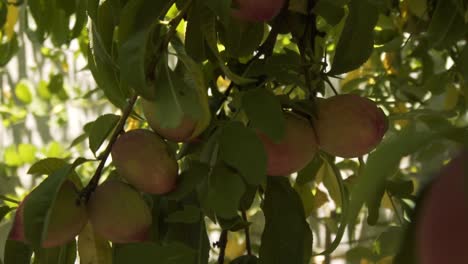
{"type": "Point", "coordinates": [257, 10]}
{"type": "Point", "coordinates": [441, 230]}
{"type": "Point", "coordinates": [295, 151]}
{"type": "Point", "coordinates": [67, 218]}
{"type": "Point", "coordinates": [118, 213]}
{"type": "Point", "coordinates": [349, 126]}
{"type": "Point", "coordinates": [143, 159]}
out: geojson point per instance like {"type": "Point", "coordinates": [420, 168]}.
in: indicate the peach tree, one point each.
{"type": "Point", "coordinates": [237, 131]}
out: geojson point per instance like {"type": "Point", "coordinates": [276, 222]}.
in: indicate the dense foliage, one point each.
{"type": "Point", "coordinates": [228, 131]}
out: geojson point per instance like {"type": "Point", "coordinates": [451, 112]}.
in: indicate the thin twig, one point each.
{"type": "Point", "coordinates": [85, 194]}
{"type": "Point", "coordinates": [248, 244]}
{"type": "Point", "coordinates": [223, 239]}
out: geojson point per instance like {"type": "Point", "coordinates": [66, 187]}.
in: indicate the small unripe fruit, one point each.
{"type": "Point", "coordinates": [118, 213]}
{"type": "Point", "coordinates": [67, 218]}
{"type": "Point", "coordinates": [441, 230]}
{"type": "Point", "coordinates": [349, 126]}
{"type": "Point", "coordinates": [295, 151]}
{"type": "Point", "coordinates": [143, 159]}
{"type": "Point", "coordinates": [257, 10]}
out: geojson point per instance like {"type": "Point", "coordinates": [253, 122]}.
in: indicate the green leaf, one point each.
{"type": "Point", "coordinates": [389, 241]}
{"type": "Point", "coordinates": [68, 7]}
{"type": "Point", "coordinates": [23, 92]}
{"type": "Point", "coordinates": [134, 33]}
{"type": "Point", "coordinates": [330, 11]}
{"type": "Point", "coordinates": [8, 50]}
{"type": "Point", "coordinates": [357, 39]}
{"type": "Point", "coordinates": [59, 27]}
{"type": "Point", "coordinates": [222, 8]}
{"type": "Point", "coordinates": [357, 254]}
{"type": "Point", "coordinates": [55, 83]}
{"type": "Point", "coordinates": [265, 113]}
{"type": "Point", "coordinates": [382, 162]}
{"type": "Point", "coordinates": [93, 249]}
{"type": "Point", "coordinates": [101, 129]}
{"type": "Point", "coordinates": [447, 26]}
{"type": "Point", "coordinates": [4, 210]}
{"type": "Point", "coordinates": [179, 95]}
{"type": "Point", "coordinates": [17, 252]}
{"type": "Point", "coordinates": [240, 148]}
{"type": "Point", "coordinates": [43, 90]}
{"type": "Point", "coordinates": [3, 13]}
{"type": "Point", "coordinates": [11, 157]}
{"type": "Point", "coordinates": [37, 208]}
{"type": "Point", "coordinates": [47, 166]}
{"type": "Point", "coordinates": [210, 33]}
{"type": "Point", "coordinates": [190, 214]}
{"type": "Point", "coordinates": [81, 18]}
{"type": "Point", "coordinates": [309, 173]}
{"type": "Point", "coordinates": [462, 67]}
{"type": "Point", "coordinates": [194, 39]}
{"type": "Point", "coordinates": [104, 69]}
{"type": "Point", "coordinates": [188, 180]}
{"type": "Point", "coordinates": [27, 152]}
{"type": "Point", "coordinates": [240, 38]}
{"type": "Point", "coordinates": [225, 191]}
{"type": "Point", "coordinates": [147, 253]}
{"type": "Point", "coordinates": [287, 237]}
{"type": "Point", "coordinates": [65, 254]}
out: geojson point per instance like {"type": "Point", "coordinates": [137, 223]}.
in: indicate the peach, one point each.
{"type": "Point", "coordinates": [67, 218]}
{"type": "Point", "coordinates": [118, 213]}
{"type": "Point", "coordinates": [349, 126]}
{"type": "Point", "coordinates": [143, 159]}
{"type": "Point", "coordinates": [186, 130]}
{"type": "Point", "coordinates": [257, 10]}
{"type": "Point", "coordinates": [295, 150]}
{"type": "Point", "coordinates": [441, 230]}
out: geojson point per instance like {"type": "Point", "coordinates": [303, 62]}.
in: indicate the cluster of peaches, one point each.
{"type": "Point", "coordinates": [346, 126]}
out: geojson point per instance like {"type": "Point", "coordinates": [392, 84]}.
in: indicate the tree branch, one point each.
{"type": "Point", "coordinates": [86, 193]}
{"type": "Point", "coordinates": [248, 244]}
{"type": "Point", "coordinates": [223, 239]}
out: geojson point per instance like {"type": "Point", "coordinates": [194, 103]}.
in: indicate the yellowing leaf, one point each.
{"type": "Point", "coordinates": [386, 202]}
{"type": "Point", "coordinates": [235, 247]}
{"type": "Point", "coordinates": [93, 249]}
{"type": "Point", "coordinates": [12, 17]}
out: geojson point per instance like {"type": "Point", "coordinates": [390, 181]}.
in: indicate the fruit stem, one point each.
{"type": "Point", "coordinates": [223, 239]}
{"type": "Point", "coordinates": [86, 193]}
{"type": "Point", "coordinates": [247, 235]}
